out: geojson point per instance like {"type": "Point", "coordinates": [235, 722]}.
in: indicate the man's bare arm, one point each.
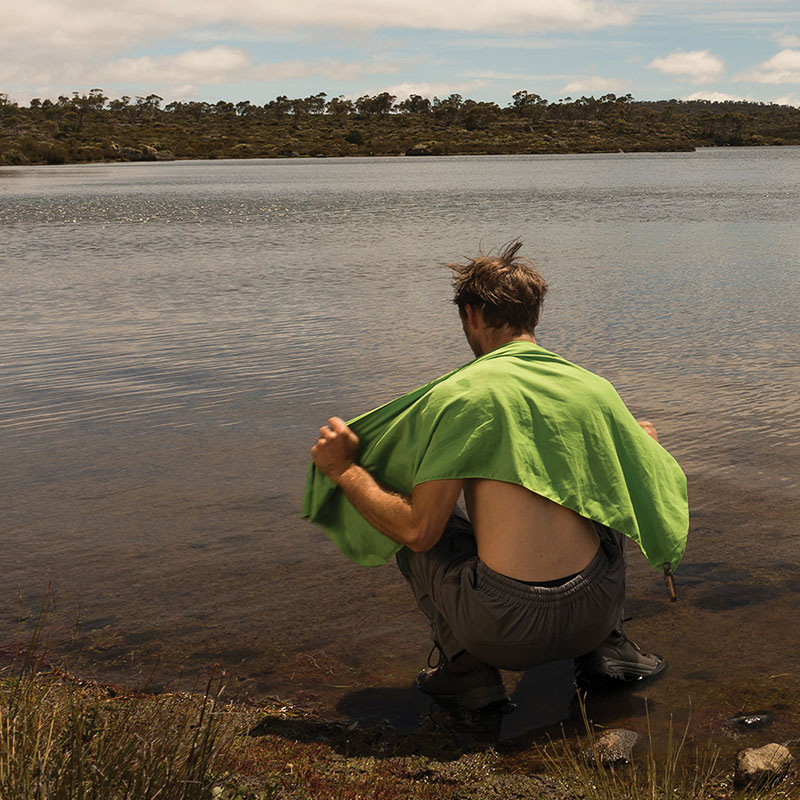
{"type": "Point", "coordinates": [648, 428]}
{"type": "Point", "coordinates": [416, 521]}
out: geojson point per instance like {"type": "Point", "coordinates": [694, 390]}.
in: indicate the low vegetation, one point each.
{"type": "Point", "coordinates": [92, 127]}
{"type": "Point", "coordinates": [62, 738]}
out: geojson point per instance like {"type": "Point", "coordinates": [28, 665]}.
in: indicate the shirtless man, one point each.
{"type": "Point", "coordinates": [524, 581]}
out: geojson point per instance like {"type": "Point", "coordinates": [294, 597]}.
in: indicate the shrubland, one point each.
{"type": "Point", "coordinates": [91, 127]}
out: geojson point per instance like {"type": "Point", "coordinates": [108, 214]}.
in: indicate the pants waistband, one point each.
{"type": "Point", "coordinates": [543, 594]}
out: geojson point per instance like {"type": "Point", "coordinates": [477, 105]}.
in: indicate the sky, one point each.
{"type": "Point", "coordinates": [255, 50]}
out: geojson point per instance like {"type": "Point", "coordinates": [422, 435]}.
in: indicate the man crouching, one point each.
{"type": "Point", "coordinates": [552, 467]}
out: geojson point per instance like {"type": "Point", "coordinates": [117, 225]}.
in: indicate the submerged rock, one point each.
{"type": "Point", "coordinates": [750, 722]}
{"type": "Point", "coordinates": [612, 747]}
{"type": "Point", "coordinates": [762, 766]}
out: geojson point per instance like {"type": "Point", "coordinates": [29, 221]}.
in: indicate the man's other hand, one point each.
{"type": "Point", "coordinates": [336, 449]}
{"type": "Point", "coordinates": [648, 428]}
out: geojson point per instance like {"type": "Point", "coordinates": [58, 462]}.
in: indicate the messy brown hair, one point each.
{"type": "Point", "coordinates": [507, 289]}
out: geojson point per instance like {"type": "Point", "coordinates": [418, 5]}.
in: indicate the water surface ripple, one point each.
{"type": "Point", "coordinates": [174, 334]}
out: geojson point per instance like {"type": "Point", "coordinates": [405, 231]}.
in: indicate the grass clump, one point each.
{"type": "Point", "coordinates": [63, 738]}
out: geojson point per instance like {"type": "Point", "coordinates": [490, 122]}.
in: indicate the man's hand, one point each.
{"type": "Point", "coordinates": [416, 521]}
{"type": "Point", "coordinates": [648, 428]}
{"type": "Point", "coordinates": [336, 449]}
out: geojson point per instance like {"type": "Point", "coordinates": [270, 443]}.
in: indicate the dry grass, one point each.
{"type": "Point", "coordinates": [65, 739]}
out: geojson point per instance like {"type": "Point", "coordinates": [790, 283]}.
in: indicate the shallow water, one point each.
{"type": "Point", "coordinates": [173, 335]}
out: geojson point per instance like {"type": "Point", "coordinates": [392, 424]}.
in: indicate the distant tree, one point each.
{"type": "Point", "coordinates": [119, 106]}
{"type": "Point", "coordinates": [527, 105]}
{"type": "Point", "coordinates": [97, 100]}
{"type": "Point", "coordinates": [244, 108]}
{"type": "Point", "coordinates": [415, 104]}
{"type": "Point", "coordinates": [7, 106]}
{"type": "Point", "coordinates": [298, 106]}
{"type": "Point", "coordinates": [315, 104]}
{"type": "Point", "coordinates": [447, 110]}
{"type": "Point", "coordinates": [9, 114]}
{"type": "Point", "coordinates": [339, 107]}
{"type": "Point", "coordinates": [731, 128]}
{"type": "Point", "coordinates": [279, 107]}
{"type": "Point", "coordinates": [379, 105]}
{"type": "Point", "coordinates": [224, 109]}
{"type": "Point", "coordinates": [363, 104]}
{"type": "Point", "coordinates": [147, 107]}
{"type": "Point", "coordinates": [479, 116]}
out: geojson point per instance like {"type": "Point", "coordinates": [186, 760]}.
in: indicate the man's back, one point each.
{"type": "Point", "coordinates": [525, 536]}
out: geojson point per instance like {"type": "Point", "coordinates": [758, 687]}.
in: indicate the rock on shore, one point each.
{"type": "Point", "coordinates": [762, 766]}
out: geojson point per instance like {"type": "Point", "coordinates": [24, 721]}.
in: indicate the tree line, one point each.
{"type": "Point", "coordinates": [91, 126]}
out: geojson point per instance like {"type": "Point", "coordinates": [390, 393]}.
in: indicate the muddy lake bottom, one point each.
{"type": "Point", "coordinates": [302, 625]}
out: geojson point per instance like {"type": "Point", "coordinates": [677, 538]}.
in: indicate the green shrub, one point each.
{"type": "Point", "coordinates": [355, 137]}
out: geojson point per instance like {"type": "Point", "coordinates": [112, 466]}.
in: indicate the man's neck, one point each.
{"type": "Point", "coordinates": [499, 337]}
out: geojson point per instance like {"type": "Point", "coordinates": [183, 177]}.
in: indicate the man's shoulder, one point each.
{"type": "Point", "coordinates": [520, 370]}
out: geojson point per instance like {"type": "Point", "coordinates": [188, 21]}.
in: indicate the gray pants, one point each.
{"type": "Point", "coordinates": [507, 623]}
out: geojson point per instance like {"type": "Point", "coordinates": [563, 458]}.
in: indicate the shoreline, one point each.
{"type": "Point", "coordinates": [400, 155]}
{"type": "Point", "coordinates": [91, 129]}
{"type": "Point", "coordinates": [276, 749]}
{"type": "Point", "coordinates": [729, 599]}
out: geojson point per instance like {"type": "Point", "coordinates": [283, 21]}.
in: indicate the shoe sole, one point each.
{"type": "Point", "coordinates": [615, 670]}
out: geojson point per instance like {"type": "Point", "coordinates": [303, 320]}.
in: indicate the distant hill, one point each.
{"type": "Point", "coordinates": [92, 127]}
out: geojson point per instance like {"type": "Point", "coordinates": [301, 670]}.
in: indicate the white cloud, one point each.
{"type": "Point", "coordinates": [787, 100]}
{"type": "Point", "coordinates": [216, 65]}
{"type": "Point", "coordinates": [328, 68]}
{"type": "Point", "coordinates": [180, 75]}
{"type": "Point", "coordinates": [715, 97]}
{"type": "Point", "coordinates": [64, 44]}
{"type": "Point", "coordinates": [787, 39]}
{"type": "Point", "coordinates": [67, 25]}
{"type": "Point", "coordinates": [773, 13]}
{"type": "Point", "coordinates": [595, 84]}
{"type": "Point", "coordinates": [783, 67]}
{"type": "Point", "coordinates": [697, 65]}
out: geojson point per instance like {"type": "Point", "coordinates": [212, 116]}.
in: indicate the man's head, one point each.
{"type": "Point", "coordinates": [506, 290]}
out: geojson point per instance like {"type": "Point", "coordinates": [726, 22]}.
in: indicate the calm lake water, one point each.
{"type": "Point", "coordinates": [173, 334]}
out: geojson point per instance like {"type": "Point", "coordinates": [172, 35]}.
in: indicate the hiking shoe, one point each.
{"type": "Point", "coordinates": [463, 681]}
{"type": "Point", "coordinates": [617, 659]}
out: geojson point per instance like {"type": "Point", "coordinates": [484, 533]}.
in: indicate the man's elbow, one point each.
{"type": "Point", "coordinates": [420, 539]}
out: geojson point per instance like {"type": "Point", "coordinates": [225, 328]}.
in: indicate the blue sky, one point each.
{"type": "Point", "coordinates": [255, 50]}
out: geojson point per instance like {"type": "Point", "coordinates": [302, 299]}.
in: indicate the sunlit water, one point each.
{"type": "Point", "coordinates": [173, 334]}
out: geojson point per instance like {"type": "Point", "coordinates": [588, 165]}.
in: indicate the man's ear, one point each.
{"type": "Point", "coordinates": [471, 315]}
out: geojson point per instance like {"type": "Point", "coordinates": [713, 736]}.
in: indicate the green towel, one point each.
{"type": "Point", "coordinates": [526, 416]}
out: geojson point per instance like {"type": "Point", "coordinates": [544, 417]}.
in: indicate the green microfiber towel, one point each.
{"type": "Point", "coordinates": [523, 415]}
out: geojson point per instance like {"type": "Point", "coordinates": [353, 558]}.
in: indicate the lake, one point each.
{"type": "Point", "coordinates": [173, 335]}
